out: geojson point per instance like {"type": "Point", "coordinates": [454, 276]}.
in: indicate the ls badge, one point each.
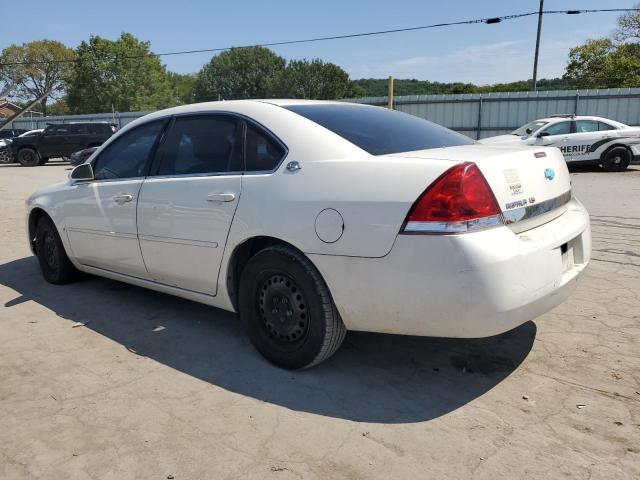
{"type": "Point", "coordinates": [549, 174]}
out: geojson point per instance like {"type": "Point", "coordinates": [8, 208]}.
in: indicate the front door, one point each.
{"type": "Point", "coordinates": [101, 214]}
{"type": "Point", "coordinates": [558, 135]}
{"type": "Point", "coordinates": [51, 140]}
{"type": "Point", "coordinates": [187, 204]}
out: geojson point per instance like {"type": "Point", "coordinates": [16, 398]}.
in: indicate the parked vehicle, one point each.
{"type": "Point", "coordinates": [6, 135]}
{"type": "Point", "coordinates": [59, 141]}
{"type": "Point", "coordinates": [313, 218]}
{"type": "Point", "coordinates": [10, 132]}
{"type": "Point", "coordinates": [32, 133]}
{"type": "Point", "coordinates": [582, 139]}
{"type": "Point", "coordinates": [81, 156]}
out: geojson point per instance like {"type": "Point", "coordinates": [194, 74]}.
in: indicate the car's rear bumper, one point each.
{"type": "Point", "coordinates": [469, 285]}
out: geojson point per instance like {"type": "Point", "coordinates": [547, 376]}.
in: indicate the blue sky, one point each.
{"type": "Point", "coordinates": [480, 54]}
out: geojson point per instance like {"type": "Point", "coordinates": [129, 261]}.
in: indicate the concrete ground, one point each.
{"type": "Point", "coordinates": [156, 387]}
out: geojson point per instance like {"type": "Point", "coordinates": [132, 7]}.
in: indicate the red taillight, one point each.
{"type": "Point", "coordinates": [458, 201]}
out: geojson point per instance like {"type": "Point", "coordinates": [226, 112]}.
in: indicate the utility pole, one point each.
{"type": "Point", "coordinates": [535, 60]}
{"type": "Point", "coordinates": [390, 93]}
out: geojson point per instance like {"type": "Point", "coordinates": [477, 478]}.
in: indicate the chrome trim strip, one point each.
{"type": "Point", "coordinates": [530, 211]}
{"type": "Point", "coordinates": [178, 241]}
{"type": "Point", "coordinates": [102, 233]}
{"type": "Point", "coordinates": [453, 227]}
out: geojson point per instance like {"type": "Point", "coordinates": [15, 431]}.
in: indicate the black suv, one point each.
{"type": "Point", "coordinates": [59, 141]}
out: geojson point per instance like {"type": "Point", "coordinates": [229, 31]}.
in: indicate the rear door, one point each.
{"type": "Point", "coordinates": [588, 133]}
{"type": "Point", "coordinates": [187, 204]}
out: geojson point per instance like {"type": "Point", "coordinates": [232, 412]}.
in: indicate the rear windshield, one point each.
{"type": "Point", "coordinates": [380, 131]}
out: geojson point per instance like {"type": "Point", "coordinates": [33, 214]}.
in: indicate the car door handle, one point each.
{"type": "Point", "coordinates": [221, 197]}
{"type": "Point", "coordinates": [565, 139]}
{"type": "Point", "coordinates": [123, 198]}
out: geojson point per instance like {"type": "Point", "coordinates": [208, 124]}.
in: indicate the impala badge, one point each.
{"type": "Point", "coordinates": [549, 174]}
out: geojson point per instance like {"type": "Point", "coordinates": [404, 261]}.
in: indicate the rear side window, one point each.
{"type": "Point", "coordinates": [380, 131]}
{"type": "Point", "coordinates": [262, 153]}
{"type": "Point", "coordinates": [586, 126]}
{"type": "Point", "coordinates": [201, 144]}
{"type": "Point", "coordinates": [605, 126]}
{"type": "Point", "coordinates": [127, 155]}
{"type": "Point", "coordinates": [57, 130]}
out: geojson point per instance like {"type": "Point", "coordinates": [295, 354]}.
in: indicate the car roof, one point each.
{"type": "Point", "coordinates": [577, 117]}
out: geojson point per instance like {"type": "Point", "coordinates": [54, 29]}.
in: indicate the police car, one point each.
{"type": "Point", "coordinates": [582, 139]}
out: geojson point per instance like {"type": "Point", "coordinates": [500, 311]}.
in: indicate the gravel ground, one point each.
{"type": "Point", "coordinates": [156, 387]}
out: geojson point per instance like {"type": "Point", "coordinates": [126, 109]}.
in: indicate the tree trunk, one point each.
{"type": "Point", "coordinates": [43, 106]}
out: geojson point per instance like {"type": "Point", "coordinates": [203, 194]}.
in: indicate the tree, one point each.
{"type": "Point", "coordinates": [602, 64]}
{"type": "Point", "coordinates": [314, 79]}
{"type": "Point", "coordinates": [183, 87]}
{"type": "Point", "coordinates": [123, 75]}
{"type": "Point", "coordinates": [249, 72]}
{"type": "Point", "coordinates": [628, 26]}
{"type": "Point", "coordinates": [37, 67]}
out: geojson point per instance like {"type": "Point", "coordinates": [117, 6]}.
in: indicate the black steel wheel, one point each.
{"type": "Point", "coordinates": [54, 263]}
{"type": "Point", "coordinates": [287, 309]}
{"type": "Point", "coordinates": [28, 157]}
{"type": "Point", "coordinates": [616, 160]}
{"type": "Point", "coordinates": [283, 310]}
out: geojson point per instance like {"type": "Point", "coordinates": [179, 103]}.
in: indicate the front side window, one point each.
{"type": "Point", "coordinates": [560, 128]}
{"type": "Point", "coordinates": [262, 153]}
{"type": "Point", "coordinates": [529, 128]}
{"type": "Point", "coordinates": [126, 156]}
{"type": "Point", "coordinates": [201, 144]}
{"type": "Point", "coordinates": [586, 126]}
{"type": "Point", "coordinates": [380, 131]}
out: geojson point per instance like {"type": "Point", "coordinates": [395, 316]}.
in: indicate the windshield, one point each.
{"type": "Point", "coordinates": [380, 131]}
{"type": "Point", "coordinates": [534, 126]}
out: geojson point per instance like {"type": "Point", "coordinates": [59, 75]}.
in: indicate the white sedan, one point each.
{"type": "Point", "coordinates": [314, 218]}
{"type": "Point", "coordinates": [581, 139]}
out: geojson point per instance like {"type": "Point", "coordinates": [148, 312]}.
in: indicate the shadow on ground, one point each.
{"type": "Point", "coordinates": [373, 378]}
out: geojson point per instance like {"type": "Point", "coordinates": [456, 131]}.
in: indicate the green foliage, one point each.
{"type": "Point", "coordinates": [628, 26]}
{"type": "Point", "coordinates": [183, 86]}
{"type": "Point", "coordinates": [373, 87]}
{"type": "Point", "coordinates": [314, 79]}
{"type": "Point", "coordinates": [121, 74]}
{"type": "Point", "coordinates": [239, 73]}
{"type": "Point", "coordinates": [603, 64]}
{"type": "Point", "coordinates": [36, 78]}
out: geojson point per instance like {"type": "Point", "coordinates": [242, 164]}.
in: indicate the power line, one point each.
{"type": "Point", "coordinates": [488, 20]}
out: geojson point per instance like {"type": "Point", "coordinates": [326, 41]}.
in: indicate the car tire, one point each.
{"type": "Point", "coordinates": [28, 157]}
{"type": "Point", "coordinates": [54, 262]}
{"type": "Point", "coordinates": [616, 160]}
{"type": "Point", "coordinates": [287, 309]}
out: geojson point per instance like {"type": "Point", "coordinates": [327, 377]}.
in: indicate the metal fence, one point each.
{"type": "Point", "coordinates": [475, 115]}
{"type": "Point", "coordinates": [119, 119]}
{"type": "Point", "coordinates": [485, 115]}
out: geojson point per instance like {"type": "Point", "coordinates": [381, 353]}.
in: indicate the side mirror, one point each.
{"type": "Point", "coordinates": [542, 134]}
{"type": "Point", "coordinates": [83, 172]}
